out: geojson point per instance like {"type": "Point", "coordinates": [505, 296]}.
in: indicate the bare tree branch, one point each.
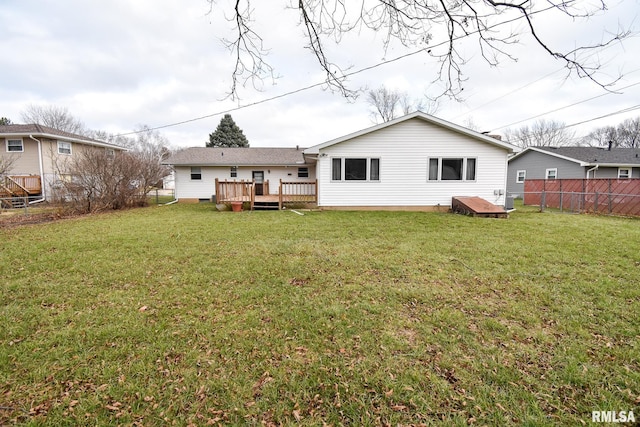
{"type": "Point", "coordinates": [415, 24]}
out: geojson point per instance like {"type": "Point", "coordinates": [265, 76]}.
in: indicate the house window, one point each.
{"type": "Point", "coordinates": [471, 170]}
{"type": "Point", "coordinates": [15, 146]}
{"type": "Point", "coordinates": [196, 173]}
{"type": "Point", "coordinates": [336, 169]}
{"type": "Point", "coordinates": [552, 173]}
{"type": "Point", "coordinates": [452, 169]}
{"type": "Point", "coordinates": [303, 172]}
{"type": "Point", "coordinates": [624, 173]}
{"type": "Point", "coordinates": [374, 168]}
{"type": "Point", "coordinates": [111, 153]}
{"type": "Point", "coordinates": [234, 171]}
{"type": "Point", "coordinates": [64, 147]}
{"type": "Point", "coordinates": [520, 176]}
{"type": "Point", "coordinates": [355, 169]}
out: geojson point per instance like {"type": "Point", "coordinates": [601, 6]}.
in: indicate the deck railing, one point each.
{"type": "Point", "coordinates": [235, 191]}
{"type": "Point", "coordinates": [21, 185]}
{"type": "Point", "coordinates": [298, 192]}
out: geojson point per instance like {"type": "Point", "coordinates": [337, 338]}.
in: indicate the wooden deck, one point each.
{"type": "Point", "coordinates": [245, 191]}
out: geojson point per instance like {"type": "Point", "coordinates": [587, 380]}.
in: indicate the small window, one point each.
{"type": "Point", "coordinates": [110, 153]}
{"type": "Point", "coordinates": [520, 176]}
{"type": "Point", "coordinates": [336, 169]}
{"type": "Point", "coordinates": [471, 170]}
{"type": "Point", "coordinates": [15, 146]}
{"type": "Point", "coordinates": [303, 172]}
{"type": "Point", "coordinates": [624, 173]}
{"type": "Point", "coordinates": [64, 147]}
{"type": "Point", "coordinates": [234, 171]}
{"type": "Point", "coordinates": [433, 169]}
{"type": "Point", "coordinates": [196, 173]}
{"type": "Point", "coordinates": [552, 173]}
{"type": "Point", "coordinates": [374, 170]}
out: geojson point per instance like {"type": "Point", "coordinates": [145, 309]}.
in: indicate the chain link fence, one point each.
{"type": "Point", "coordinates": [602, 196]}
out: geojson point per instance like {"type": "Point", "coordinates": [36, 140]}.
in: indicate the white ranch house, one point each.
{"type": "Point", "coordinates": [415, 162]}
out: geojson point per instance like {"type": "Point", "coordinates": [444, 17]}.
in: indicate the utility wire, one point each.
{"type": "Point", "coordinates": [346, 75]}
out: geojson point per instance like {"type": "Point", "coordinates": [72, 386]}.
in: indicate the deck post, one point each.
{"type": "Point", "coordinates": [280, 195]}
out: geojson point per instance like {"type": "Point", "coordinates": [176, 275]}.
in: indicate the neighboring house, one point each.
{"type": "Point", "coordinates": [39, 155]}
{"type": "Point", "coordinates": [413, 162]}
{"type": "Point", "coordinates": [571, 162]}
{"type": "Point", "coordinates": [197, 168]}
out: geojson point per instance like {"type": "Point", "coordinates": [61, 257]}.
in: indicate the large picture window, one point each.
{"type": "Point", "coordinates": [452, 169]}
{"type": "Point", "coordinates": [355, 169]}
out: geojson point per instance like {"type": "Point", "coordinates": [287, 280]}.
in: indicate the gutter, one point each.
{"type": "Point", "coordinates": [593, 169]}
{"type": "Point", "coordinates": [44, 196]}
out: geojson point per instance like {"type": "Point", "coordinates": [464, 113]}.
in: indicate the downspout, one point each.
{"type": "Point", "coordinates": [44, 196]}
{"type": "Point", "coordinates": [593, 169]}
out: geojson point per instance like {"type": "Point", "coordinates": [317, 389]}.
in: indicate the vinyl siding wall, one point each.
{"type": "Point", "coordinates": [26, 163]}
{"type": "Point", "coordinates": [186, 188]}
{"type": "Point", "coordinates": [536, 164]}
{"type": "Point", "coordinates": [404, 151]}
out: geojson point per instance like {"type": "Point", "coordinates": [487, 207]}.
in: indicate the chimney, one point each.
{"type": "Point", "coordinates": [610, 144]}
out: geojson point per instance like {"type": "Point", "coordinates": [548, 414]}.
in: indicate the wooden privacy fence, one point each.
{"type": "Point", "coordinates": [601, 195]}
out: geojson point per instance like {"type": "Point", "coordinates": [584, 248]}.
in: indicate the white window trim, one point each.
{"type": "Point", "coordinates": [343, 166]}
{"type": "Point", "coordinates": [628, 173]}
{"type": "Point", "coordinates": [463, 172]}
{"type": "Point", "coordinates": [70, 148]}
{"type": "Point", "coordinates": [524, 176]}
{"type": "Point", "coordinates": [233, 172]}
{"type": "Point", "coordinates": [191, 173]}
{"type": "Point", "coordinates": [306, 171]}
{"type": "Point", "coordinates": [555, 170]}
{"type": "Point", "coordinates": [15, 139]}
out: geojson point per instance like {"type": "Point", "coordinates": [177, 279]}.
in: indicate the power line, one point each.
{"type": "Point", "coordinates": [346, 75]}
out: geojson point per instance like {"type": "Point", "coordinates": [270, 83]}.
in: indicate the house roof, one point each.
{"type": "Point", "coordinates": [590, 156]}
{"type": "Point", "coordinates": [238, 156]}
{"type": "Point", "coordinates": [422, 116]}
{"type": "Point", "coordinates": [36, 130]}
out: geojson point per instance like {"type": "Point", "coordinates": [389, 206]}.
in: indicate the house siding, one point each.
{"type": "Point", "coordinates": [404, 150]}
{"type": "Point", "coordinates": [26, 163]}
{"type": "Point", "coordinates": [186, 188]}
{"type": "Point", "coordinates": [536, 164]}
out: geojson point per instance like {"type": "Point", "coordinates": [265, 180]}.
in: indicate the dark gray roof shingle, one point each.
{"type": "Point", "coordinates": [598, 155]}
{"type": "Point", "coordinates": [222, 156]}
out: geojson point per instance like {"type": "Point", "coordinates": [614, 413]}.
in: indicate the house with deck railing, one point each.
{"type": "Point", "coordinates": [415, 162]}
{"type": "Point", "coordinates": [36, 157]}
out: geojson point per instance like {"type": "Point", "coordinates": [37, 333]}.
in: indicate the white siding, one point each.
{"type": "Point", "coordinates": [404, 151]}
{"type": "Point", "coordinates": [186, 188]}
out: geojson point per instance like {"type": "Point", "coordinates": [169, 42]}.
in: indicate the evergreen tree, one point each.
{"type": "Point", "coordinates": [5, 121]}
{"type": "Point", "coordinates": [227, 134]}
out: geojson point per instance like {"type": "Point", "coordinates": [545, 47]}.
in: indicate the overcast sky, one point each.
{"type": "Point", "coordinates": [118, 64]}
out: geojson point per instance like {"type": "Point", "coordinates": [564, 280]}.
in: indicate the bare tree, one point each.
{"type": "Point", "coordinates": [542, 133]}
{"type": "Point", "coordinates": [387, 104]}
{"type": "Point", "coordinates": [7, 160]}
{"type": "Point", "coordinates": [414, 24]}
{"type": "Point", "coordinates": [628, 133]}
{"type": "Point", "coordinates": [601, 137]}
{"type": "Point", "coordinates": [53, 116]}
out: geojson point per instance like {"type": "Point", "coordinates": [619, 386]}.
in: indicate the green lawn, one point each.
{"type": "Point", "coordinates": [183, 315]}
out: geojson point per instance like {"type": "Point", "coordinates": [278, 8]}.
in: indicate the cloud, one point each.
{"type": "Point", "coordinates": [118, 64]}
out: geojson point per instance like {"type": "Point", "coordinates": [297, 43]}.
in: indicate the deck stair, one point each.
{"type": "Point", "coordinates": [477, 206]}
